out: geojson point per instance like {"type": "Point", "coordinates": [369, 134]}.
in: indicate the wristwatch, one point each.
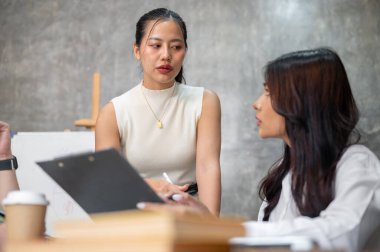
{"type": "Point", "coordinates": [8, 164]}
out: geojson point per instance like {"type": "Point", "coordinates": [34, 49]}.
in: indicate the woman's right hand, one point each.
{"type": "Point", "coordinates": [164, 188]}
{"type": "Point", "coordinates": [181, 204]}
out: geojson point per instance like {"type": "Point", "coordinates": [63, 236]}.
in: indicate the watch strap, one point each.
{"type": "Point", "coordinates": [8, 164]}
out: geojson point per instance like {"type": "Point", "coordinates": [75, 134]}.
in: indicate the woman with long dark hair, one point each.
{"type": "Point", "coordinates": [310, 90]}
{"type": "Point", "coordinates": [325, 186]}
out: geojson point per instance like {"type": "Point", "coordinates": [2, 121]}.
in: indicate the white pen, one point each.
{"type": "Point", "coordinates": [166, 176]}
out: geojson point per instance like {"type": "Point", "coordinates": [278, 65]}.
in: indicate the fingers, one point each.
{"type": "Point", "coordinates": [166, 198]}
{"type": "Point", "coordinates": [182, 203]}
{"type": "Point", "coordinates": [165, 189]}
{"type": "Point", "coordinates": [174, 208]}
{"type": "Point", "coordinates": [5, 141]}
{"type": "Point", "coordinates": [4, 128]}
{"type": "Point", "coordinates": [178, 200]}
{"type": "Point", "coordinates": [147, 205]}
{"type": "Point", "coordinates": [192, 203]}
{"type": "Point", "coordinates": [182, 198]}
{"type": "Point", "coordinates": [158, 206]}
{"type": "Point", "coordinates": [183, 187]}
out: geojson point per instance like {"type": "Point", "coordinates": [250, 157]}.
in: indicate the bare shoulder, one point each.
{"type": "Point", "coordinates": [106, 130]}
{"type": "Point", "coordinates": [106, 117]}
{"type": "Point", "coordinates": [107, 112]}
{"type": "Point", "coordinates": [210, 98]}
{"type": "Point", "coordinates": [108, 108]}
{"type": "Point", "coordinates": [210, 105]}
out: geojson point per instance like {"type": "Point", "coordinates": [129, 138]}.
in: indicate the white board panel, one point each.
{"type": "Point", "coordinates": [30, 147]}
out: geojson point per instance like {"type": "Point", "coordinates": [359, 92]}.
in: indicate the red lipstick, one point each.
{"type": "Point", "coordinates": [164, 69]}
{"type": "Point", "coordinates": [258, 122]}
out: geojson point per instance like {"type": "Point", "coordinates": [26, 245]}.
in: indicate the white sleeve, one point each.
{"type": "Point", "coordinates": [121, 106]}
{"type": "Point", "coordinates": [350, 218]}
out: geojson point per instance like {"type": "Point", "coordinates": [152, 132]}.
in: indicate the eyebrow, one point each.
{"type": "Point", "coordinates": [159, 39]}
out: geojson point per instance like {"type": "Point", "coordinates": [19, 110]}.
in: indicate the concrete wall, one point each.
{"type": "Point", "coordinates": [50, 48]}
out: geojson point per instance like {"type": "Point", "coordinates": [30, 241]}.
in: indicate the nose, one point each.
{"type": "Point", "coordinates": [166, 54]}
{"type": "Point", "coordinates": [255, 105]}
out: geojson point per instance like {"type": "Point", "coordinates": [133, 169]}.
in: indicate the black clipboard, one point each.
{"type": "Point", "coordinates": [100, 181]}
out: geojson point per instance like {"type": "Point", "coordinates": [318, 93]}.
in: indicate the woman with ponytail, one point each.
{"type": "Point", "coordinates": [163, 126]}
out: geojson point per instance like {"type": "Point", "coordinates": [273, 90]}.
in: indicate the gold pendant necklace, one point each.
{"type": "Point", "coordinates": [159, 124]}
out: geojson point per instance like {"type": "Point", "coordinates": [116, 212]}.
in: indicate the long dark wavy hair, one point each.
{"type": "Point", "coordinates": [310, 89]}
{"type": "Point", "coordinates": [159, 15]}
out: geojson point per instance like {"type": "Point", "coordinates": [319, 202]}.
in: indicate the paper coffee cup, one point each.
{"type": "Point", "coordinates": [25, 215]}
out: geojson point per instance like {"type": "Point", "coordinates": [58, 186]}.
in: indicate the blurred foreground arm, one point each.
{"type": "Point", "coordinates": [182, 204]}
{"type": "Point", "coordinates": [8, 180]}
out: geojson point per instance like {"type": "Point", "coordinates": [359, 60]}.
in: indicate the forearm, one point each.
{"type": "Point", "coordinates": [208, 153]}
{"type": "Point", "coordinates": [8, 182]}
{"type": "Point", "coordinates": [209, 187]}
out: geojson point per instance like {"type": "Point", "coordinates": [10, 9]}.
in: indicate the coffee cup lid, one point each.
{"type": "Point", "coordinates": [25, 197]}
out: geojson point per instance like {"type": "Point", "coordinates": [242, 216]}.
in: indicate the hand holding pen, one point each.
{"type": "Point", "coordinates": [180, 202]}
{"type": "Point", "coordinates": [165, 187]}
{"type": "Point", "coordinates": [167, 178]}
{"type": "Point", "coordinates": [182, 188]}
{"type": "Point", "coordinates": [192, 189]}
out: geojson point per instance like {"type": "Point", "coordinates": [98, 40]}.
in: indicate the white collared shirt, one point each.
{"type": "Point", "coordinates": [349, 219]}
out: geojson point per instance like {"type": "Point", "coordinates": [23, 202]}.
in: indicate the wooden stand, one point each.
{"type": "Point", "coordinates": [90, 123]}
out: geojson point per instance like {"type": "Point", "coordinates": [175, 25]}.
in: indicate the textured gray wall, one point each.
{"type": "Point", "coordinates": [50, 48]}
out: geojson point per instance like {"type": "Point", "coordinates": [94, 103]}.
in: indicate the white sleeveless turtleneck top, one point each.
{"type": "Point", "coordinates": [171, 149]}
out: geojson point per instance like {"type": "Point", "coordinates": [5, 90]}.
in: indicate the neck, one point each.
{"type": "Point", "coordinates": [157, 86]}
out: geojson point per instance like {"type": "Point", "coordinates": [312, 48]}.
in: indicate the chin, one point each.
{"type": "Point", "coordinates": [262, 135]}
{"type": "Point", "coordinates": [166, 80]}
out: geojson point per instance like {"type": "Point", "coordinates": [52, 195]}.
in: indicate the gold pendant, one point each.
{"type": "Point", "coordinates": [159, 124]}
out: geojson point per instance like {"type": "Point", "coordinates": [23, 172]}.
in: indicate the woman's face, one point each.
{"type": "Point", "coordinates": [161, 53]}
{"type": "Point", "coordinates": [270, 123]}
